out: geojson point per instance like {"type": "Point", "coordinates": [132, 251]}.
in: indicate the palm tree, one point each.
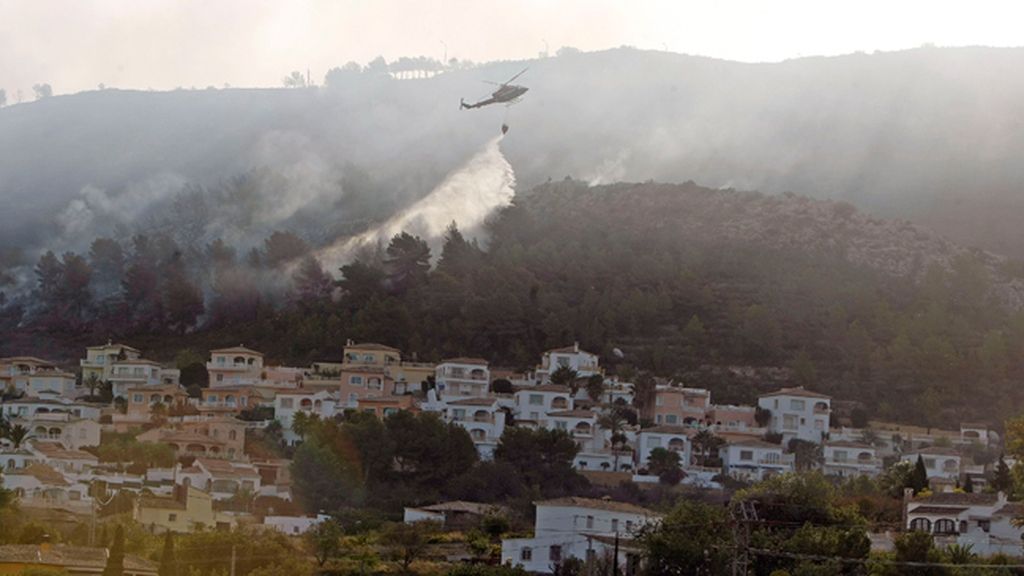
{"type": "Point", "coordinates": [613, 421]}
{"type": "Point", "coordinates": [595, 387]}
{"type": "Point", "coordinates": [93, 382]}
{"type": "Point", "coordinates": [17, 434]}
{"type": "Point", "coordinates": [705, 442]}
{"type": "Point", "coordinates": [564, 376]}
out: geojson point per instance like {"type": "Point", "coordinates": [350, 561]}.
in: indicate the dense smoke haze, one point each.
{"type": "Point", "coordinates": [925, 134]}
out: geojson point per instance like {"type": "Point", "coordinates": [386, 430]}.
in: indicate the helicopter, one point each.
{"type": "Point", "coordinates": [506, 93]}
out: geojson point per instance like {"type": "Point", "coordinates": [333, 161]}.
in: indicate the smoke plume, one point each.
{"type": "Point", "coordinates": [467, 196]}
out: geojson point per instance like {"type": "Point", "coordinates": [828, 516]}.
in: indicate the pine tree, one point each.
{"type": "Point", "coordinates": [168, 563]}
{"type": "Point", "coordinates": [115, 560]}
{"type": "Point", "coordinates": [182, 299]}
{"type": "Point", "coordinates": [49, 272]}
{"type": "Point", "coordinates": [141, 285]}
{"type": "Point", "coordinates": [74, 294]}
{"type": "Point", "coordinates": [310, 282]}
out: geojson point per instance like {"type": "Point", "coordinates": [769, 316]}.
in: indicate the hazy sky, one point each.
{"type": "Point", "coordinates": [162, 44]}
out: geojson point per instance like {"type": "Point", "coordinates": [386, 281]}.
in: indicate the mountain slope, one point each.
{"type": "Point", "coordinates": [931, 134]}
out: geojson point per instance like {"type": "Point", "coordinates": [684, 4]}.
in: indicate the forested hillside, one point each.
{"type": "Point", "coordinates": [728, 290]}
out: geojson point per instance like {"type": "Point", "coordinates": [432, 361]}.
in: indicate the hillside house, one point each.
{"type": "Point", "coordinates": [797, 413]}
{"type": "Point", "coordinates": [580, 528]}
{"type": "Point", "coordinates": [754, 459]}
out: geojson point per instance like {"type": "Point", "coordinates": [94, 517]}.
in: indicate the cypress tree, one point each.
{"type": "Point", "coordinates": [115, 560]}
{"type": "Point", "coordinates": [919, 477]}
{"type": "Point", "coordinates": [969, 485]}
{"type": "Point", "coordinates": [168, 564]}
{"type": "Point", "coordinates": [1002, 481]}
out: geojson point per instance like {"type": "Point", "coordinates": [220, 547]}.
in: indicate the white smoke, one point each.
{"type": "Point", "coordinates": [467, 196]}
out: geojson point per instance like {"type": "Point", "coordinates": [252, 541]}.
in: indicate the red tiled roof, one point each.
{"type": "Point", "coordinates": [465, 360]}
{"type": "Point", "coordinates": [237, 350]}
{"type": "Point", "coordinates": [798, 391]}
{"type": "Point", "coordinates": [610, 505]}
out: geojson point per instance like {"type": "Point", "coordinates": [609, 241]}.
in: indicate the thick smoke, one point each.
{"type": "Point", "coordinates": [467, 196]}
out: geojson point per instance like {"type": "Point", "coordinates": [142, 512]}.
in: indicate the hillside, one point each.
{"type": "Point", "coordinates": [735, 291]}
{"type": "Point", "coordinates": [931, 135]}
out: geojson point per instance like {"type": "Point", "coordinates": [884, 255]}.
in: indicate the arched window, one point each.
{"type": "Point", "coordinates": [559, 403]}
{"type": "Point", "coordinates": [921, 525]}
{"type": "Point", "coordinates": [945, 526]}
{"type": "Point", "coordinates": [306, 404]}
{"type": "Point", "coordinates": [583, 428]}
{"type": "Point", "coordinates": [154, 398]}
{"type": "Point", "coordinates": [677, 445]}
{"type": "Point", "coordinates": [481, 416]}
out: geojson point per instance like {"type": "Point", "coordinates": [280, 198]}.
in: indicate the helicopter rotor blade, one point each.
{"type": "Point", "coordinates": [517, 75]}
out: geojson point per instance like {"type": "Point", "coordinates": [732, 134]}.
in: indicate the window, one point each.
{"type": "Point", "coordinates": [654, 442]}
{"type": "Point", "coordinates": [929, 463]}
{"type": "Point", "coordinates": [772, 458]}
{"type": "Point", "coordinates": [789, 422]}
{"type": "Point", "coordinates": [945, 526]}
{"type": "Point", "coordinates": [536, 400]}
{"type": "Point", "coordinates": [287, 403]}
{"type": "Point", "coordinates": [172, 517]}
{"type": "Point", "coordinates": [629, 525]}
{"type": "Point", "coordinates": [220, 377]}
{"type": "Point", "coordinates": [746, 455]}
{"type": "Point", "coordinates": [355, 380]}
{"type": "Point", "coordinates": [839, 455]}
{"type": "Point", "coordinates": [555, 554]}
{"type": "Point", "coordinates": [659, 401]}
{"type": "Point", "coordinates": [921, 525]}
{"type": "Point", "coordinates": [353, 397]}
{"type": "Point", "coordinates": [137, 398]}
{"type": "Point", "coordinates": [671, 419]}
{"type": "Point", "coordinates": [232, 435]}
{"type": "Point", "coordinates": [526, 554]}
{"type": "Point", "coordinates": [797, 405]}
{"type": "Point", "coordinates": [211, 399]}
{"type": "Point", "coordinates": [590, 522]}
{"type": "Point", "coordinates": [615, 524]}
{"type": "Point", "coordinates": [563, 361]}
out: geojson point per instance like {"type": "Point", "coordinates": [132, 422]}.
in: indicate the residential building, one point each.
{"type": "Point", "coordinates": [797, 413]}
{"type": "Point", "coordinates": [673, 438]}
{"type": "Point", "coordinates": [971, 433]}
{"type": "Point", "coordinates": [457, 515]}
{"type": "Point", "coordinates": [229, 399]}
{"type": "Point", "coordinates": [221, 479]}
{"type": "Point", "coordinates": [983, 521]}
{"type": "Point", "coordinates": [29, 407]}
{"type": "Point", "coordinates": [218, 436]}
{"type": "Point", "coordinates": [293, 525]}
{"type": "Point", "coordinates": [482, 418]}
{"type": "Point", "coordinates": [359, 382]}
{"type": "Point", "coordinates": [465, 377]}
{"type": "Point", "coordinates": [850, 459]}
{"type": "Point", "coordinates": [15, 371]}
{"type": "Point", "coordinates": [755, 460]}
{"type": "Point", "coordinates": [580, 528]}
{"type": "Point", "coordinates": [371, 354]}
{"type": "Point", "coordinates": [287, 404]}
{"type": "Point", "coordinates": [940, 463]}
{"type": "Point", "coordinates": [66, 460]}
{"type": "Point", "coordinates": [65, 559]}
{"type": "Point", "coordinates": [142, 399]}
{"type": "Point", "coordinates": [387, 405]}
{"type": "Point", "coordinates": [65, 427]}
{"type": "Point", "coordinates": [727, 417]}
{"type": "Point", "coordinates": [51, 384]}
{"type": "Point", "coordinates": [99, 360]}
{"type": "Point", "coordinates": [584, 363]}
{"type": "Point", "coordinates": [234, 366]}
{"type": "Point", "coordinates": [676, 405]}
{"type": "Point", "coordinates": [125, 374]}
{"type": "Point", "coordinates": [188, 509]}
{"type": "Point", "coordinates": [535, 402]}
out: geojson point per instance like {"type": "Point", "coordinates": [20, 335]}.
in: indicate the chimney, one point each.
{"type": "Point", "coordinates": [576, 346]}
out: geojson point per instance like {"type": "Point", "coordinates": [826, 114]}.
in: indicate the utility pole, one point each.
{"type": "Point", "coordinates": [233, 557]}
{"type": "Point", "coordinates": [615, 556]}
